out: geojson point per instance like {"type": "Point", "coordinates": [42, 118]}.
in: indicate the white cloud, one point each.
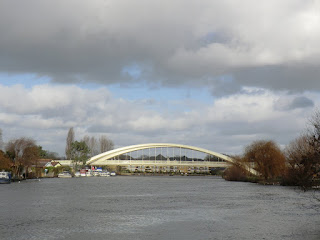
{"type": "Point", "coordinates": [48, 111]}
{"type": "Point", "coordinates": [259, 58]}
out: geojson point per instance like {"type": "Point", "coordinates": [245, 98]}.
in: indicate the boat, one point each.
{"type": "Point", "coordinates": [113, 174]}
{"type": "Point", "coordinates": [83, 172]}
{"type": "Point", "coordinates": [64, 174]}
{"type": "Point", "coordinates": [77, 174]}
{"type": "Point", "coordinates": [88, 174]}
{"type": "Point", "coordinates": [5, 177]}
{"type": "Point", "coordinates": [104, 174]}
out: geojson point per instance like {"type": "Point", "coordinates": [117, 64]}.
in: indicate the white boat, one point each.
{"type": "Point", "coordinates": [5, 177]}
{"type": "Point", "coordinates": [104, 174]}
{"type": "Point", "coordinates": [113, 174]}
{"type": "Point", "coordinates": [83, 172]}
{"type": "Point", "coordinates": [64, 174]}
{"type": "Point", "coordinates": [77, 174]}
{"type": "Point", "coordinates": [88, 174]}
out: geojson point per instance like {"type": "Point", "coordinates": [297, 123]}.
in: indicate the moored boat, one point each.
{"type": "Point", "coordinates": [83, 172]}
{"type": "Point", "coordinates": [5, 177]}
{"type": "Point", "coordinates": [104, 174]}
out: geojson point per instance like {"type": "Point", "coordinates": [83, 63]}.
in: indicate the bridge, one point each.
{"type": "Point", "coordinates": [155, 157]}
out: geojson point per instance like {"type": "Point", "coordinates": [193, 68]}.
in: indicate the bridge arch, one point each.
{"type": "Point", "coordinates": [108, 158]}
{"type": "Point", "coordinates": [101, 158]}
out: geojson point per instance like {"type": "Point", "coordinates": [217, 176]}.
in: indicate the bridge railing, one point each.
{"type": "Point", "coordinates": [166, 163]}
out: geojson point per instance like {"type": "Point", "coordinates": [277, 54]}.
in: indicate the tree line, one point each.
{"type": "Point", "coordinates": [298, 164]}
{"type": "Point", "coordinates": [19, 155]}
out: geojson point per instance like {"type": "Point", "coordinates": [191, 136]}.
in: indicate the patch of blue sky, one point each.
{"type": "Point", "coordinates": [213, 37]}
{"type": "Point", "coordinates": [160, 98]}
{"type": "Point", "coordinates": [133, 70]}
{"type": "Point", "coordinates": [28, 80]}
{"type": "Point", "coordinates": [164, 98]}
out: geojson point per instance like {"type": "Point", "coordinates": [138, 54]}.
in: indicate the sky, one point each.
{"type": "Point", "coordinates": [208, 73]}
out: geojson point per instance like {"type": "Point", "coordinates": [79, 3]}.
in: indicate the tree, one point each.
{"type": "Point", "coordinates": [80, 152]}
{"type": "Point", "coordinates": [44, 154]}
{"type": "Point", "coordinates": [299, 154]}
{"type": "Point", "coordinates": [23, 152]}
{"type": "Point", "coordinates": [69, 141]}
{"type": "Point", "coordinates": [92, 145]}
{"type": "Point", "coordinates": [267, 158]}
{"type": "Point", "coordinates": [30, 157]}
{"type": "Point", "coordinates": [106, 144]}
{"type": "Point", "coordinates": [102, 145]}
{"type": "Point", "coordinates": [237, 171]}
{"type": "Point", "coordinates": [1, 141]}
{"type": "Point", "coordinates": [314, 141]}
{"type": "Point", "coordinates": [303, 156]}
{"type": "Point", "coordinates": [5, 162]}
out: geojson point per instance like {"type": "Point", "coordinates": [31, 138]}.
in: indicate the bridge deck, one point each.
{"type": "Point", "coordinates": [164, 163]}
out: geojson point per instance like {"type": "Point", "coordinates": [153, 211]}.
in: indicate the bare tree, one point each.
{"type": "Point", "coordinates": [23, 152]}
{"type": "Point", "coordinates": [69, 141]}
{"type": "Point", "coordinates": [267, 157]}
{"type": "Point", "coordinates": [106, 144]}
{"type": "Point", "coordinates": [314, 136]}
{"type": "Point", "coordinates": [1, 141]}
{"type": "Point", "coordinates": [5, 162]}
{"type": "Point", "coordinates": [303, 156]}
{"type": "Point", "coordinates": [92, 144]}
{"type": "Point", "coordinates": [237, 171]}
{"type": "Point", "coordinates": [313, 162]}
{"type": "Point", "coordinates": [299, 154]}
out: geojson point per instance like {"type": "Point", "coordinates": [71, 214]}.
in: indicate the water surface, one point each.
{"type": "Point", "coordinates": [136, 207]}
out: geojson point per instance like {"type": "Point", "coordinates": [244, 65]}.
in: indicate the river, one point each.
{"type": "Point", "coordinates": [165, 207]}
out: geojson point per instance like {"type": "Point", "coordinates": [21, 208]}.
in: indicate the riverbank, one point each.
{"type": "Point", "coordinates": [162, 174]}
{"type": "Point", "coordinates": [276, 182]}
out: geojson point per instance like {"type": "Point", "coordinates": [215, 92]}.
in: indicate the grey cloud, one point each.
{"type": "Point", "coordinates": [301, 102]}
{"type": "Point", "coordinates": [224, 86]}
{"type": "Point", "coordinates": [293, 77]}
{"type": "Point", "coordinates": [168, 43]}
{"type": "Point", "coordinates": [294, 103]}
{"type": "Point", "coordinates": [261, 129]}
{"type": "Point", "coordinates": [214, 37]}
{"type": "Point", "coordinates": [200, 41]}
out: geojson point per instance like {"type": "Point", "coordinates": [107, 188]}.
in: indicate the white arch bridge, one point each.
{"type": "Point", "coordinates": [162, 156]}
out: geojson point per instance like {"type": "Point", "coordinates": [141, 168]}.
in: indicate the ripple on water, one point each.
{"type": "Point", "coordinates": [155, 208]}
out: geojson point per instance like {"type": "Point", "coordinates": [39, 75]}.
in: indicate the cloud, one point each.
{"type": "Point", "coordinates": [290, 102]}
{"type": "Point", "coordinates": [46, 112]}
{"type": "Point", "coordinates": [259, 60]}
{"type": "Point", "coordinates": [274, 45]}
